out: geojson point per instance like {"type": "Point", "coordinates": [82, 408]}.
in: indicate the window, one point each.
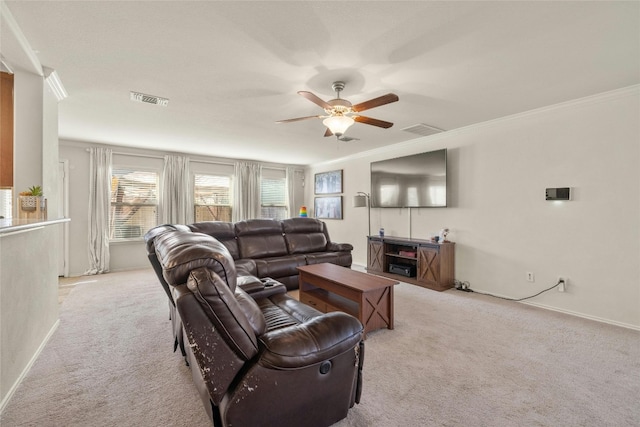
{"type": "Point", "coordinates": [273, 194]}
{"type": "Point", "coordinates": [212, 196]}
{"type": "Point", "coordinates": [134, 203]}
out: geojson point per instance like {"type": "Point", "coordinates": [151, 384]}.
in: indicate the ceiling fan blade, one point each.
{"type": "Point", "coordinates": [376, 102]}
{"type": "Point", "coordinates": [328, 132]}
{"type": "Point", "coordinates": [313, 98]}
{"type": "Point", "coordinates": [373, 122]}
{"type": "Point", "coordinates": [297, 119]}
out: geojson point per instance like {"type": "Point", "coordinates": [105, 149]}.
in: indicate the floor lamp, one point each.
{"type": "Point", "coordinates": [361, 200]}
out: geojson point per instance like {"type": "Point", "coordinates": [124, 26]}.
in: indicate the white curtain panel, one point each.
{"type": "Point", "coordinates": [291, 179]}
{"type": "Point", "coordinates": [246, 191]}
{"type": "Point", "coordinates": [99, 206]}
{"type": "Point", "coordinates": [176, 205]}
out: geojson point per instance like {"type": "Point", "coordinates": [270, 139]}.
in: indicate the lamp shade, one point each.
{"type": "Point", "coordinates": [359, 201]}
{"type": "Point", "coordinates": [338, 124]}
{"type": "Point", "coordinates": [303, 212]}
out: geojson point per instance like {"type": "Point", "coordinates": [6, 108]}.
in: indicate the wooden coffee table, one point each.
{"type": "Point", "coordinates": [330, 287]}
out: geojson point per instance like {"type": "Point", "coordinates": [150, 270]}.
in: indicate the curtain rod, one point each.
{"type": "Point", "coordinates": [119, 153]}
{"type": "Point", "coordinates": [211, 162]}
{"type": "Point", "coordinates": [151, 156]}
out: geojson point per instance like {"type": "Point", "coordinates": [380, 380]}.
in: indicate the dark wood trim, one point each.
{"type": "Point", "coordinates": [6, 130]}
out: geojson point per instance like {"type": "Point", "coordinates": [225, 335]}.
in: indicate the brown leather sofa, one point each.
{"type": "Point", "coordinates": [272, 248]}
{"type": "Point", "coordinates": [261, 359]}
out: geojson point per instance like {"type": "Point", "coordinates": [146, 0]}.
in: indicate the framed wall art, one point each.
{"type": "Point", "coordinates": [329, 207]}
{"type": "Point", "coordinates": [328, 182]}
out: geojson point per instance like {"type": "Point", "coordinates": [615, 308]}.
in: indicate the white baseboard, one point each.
{"type": "Point", "coordinates": [585, 316]}
{"type": "Point", "coordinates": [25, 371]}
{"type": "Point", "coordinates": [359, 267]}
{"type": "Point", "coordinates": [572, 313]}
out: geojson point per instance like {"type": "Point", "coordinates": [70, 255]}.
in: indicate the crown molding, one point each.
{"type": "Point", "coordinates": [55, 84]}
{"type": "Point", "coordinates": [7, 19]}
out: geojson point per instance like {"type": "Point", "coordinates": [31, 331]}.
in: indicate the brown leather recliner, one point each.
{"type": "Point", "coordinates": [269, 361]}
{"type": "Point", "coordinates": [249, 283]}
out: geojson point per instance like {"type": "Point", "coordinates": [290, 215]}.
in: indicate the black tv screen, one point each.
{"type": "Point", "coordinates": [415, 181]}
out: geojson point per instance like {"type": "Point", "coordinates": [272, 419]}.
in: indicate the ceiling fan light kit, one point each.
{"type": "Point", "coordinates": [342, 114]}
{"type": "Point", "coordinates": [338, 124]}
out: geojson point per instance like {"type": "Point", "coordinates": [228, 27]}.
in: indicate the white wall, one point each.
{"type": "Point", "coordinates": [28, 131]}
{"type": "Point", "coordinates": [29, 303]}
{"type": "Point", "coordinates": [498, 216]}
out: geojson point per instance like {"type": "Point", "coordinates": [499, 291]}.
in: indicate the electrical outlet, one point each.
{"type": "Point", "coordinates": [562, 283]}
{"type": "Point", "coordinates": [530, 277]}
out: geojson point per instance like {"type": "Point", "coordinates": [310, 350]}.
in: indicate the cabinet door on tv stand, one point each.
{"type": "Point", "coordinates": [375, 256]}
{"type": "Point", "coordinates": [429, 266]}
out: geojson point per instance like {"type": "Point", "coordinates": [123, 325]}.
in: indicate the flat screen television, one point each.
{"type": "Point", "coordinates": [415, 181]}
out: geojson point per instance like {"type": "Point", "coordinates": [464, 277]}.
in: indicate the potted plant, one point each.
{"type": "Point", "coordinates": [32, 198]}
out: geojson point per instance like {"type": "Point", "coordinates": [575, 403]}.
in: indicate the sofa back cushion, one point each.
{"type": "Point", "coordinates": [260, 238]}
{"type": "Point", "coordinates": [238, 320]}
{"type": "Point", "coordinates": [221, 231]}
{"type": "Point", "coordinates": [180, 252]}
{"type": "Point", "coordinates": [304, 235]}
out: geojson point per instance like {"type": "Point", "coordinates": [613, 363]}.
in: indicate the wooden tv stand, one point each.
{"type": "Point", "coordinates": [419, 262]}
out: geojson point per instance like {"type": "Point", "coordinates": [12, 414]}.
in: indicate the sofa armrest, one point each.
{"type": "Point", "coordinates": [340, 247]}
{"type": "Point", "coordinates": [260, 288]}
{"type": "Point", "coordinates": [250, 284]}
{"type": "Point", "coordinates": [314, 341]}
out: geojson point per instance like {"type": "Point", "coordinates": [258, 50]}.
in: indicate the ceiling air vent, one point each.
{"type": "Point", "coordinates": [422, 129]}
{"type": "Point", "coordinates": [149, 99]}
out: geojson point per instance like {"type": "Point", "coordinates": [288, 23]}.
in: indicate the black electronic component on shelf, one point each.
{"type": "Point", "coordinates": [403, 269]}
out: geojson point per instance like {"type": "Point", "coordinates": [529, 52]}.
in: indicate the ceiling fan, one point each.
{"type": "Point", "coordinates": [341, 113]}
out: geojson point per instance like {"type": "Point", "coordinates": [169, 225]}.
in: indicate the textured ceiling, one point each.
{"type": "Point", "coordinates": [231, 69]}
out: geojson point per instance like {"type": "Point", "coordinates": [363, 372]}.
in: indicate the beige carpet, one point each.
{"type": "Point", "coordinates": [454, 359]}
